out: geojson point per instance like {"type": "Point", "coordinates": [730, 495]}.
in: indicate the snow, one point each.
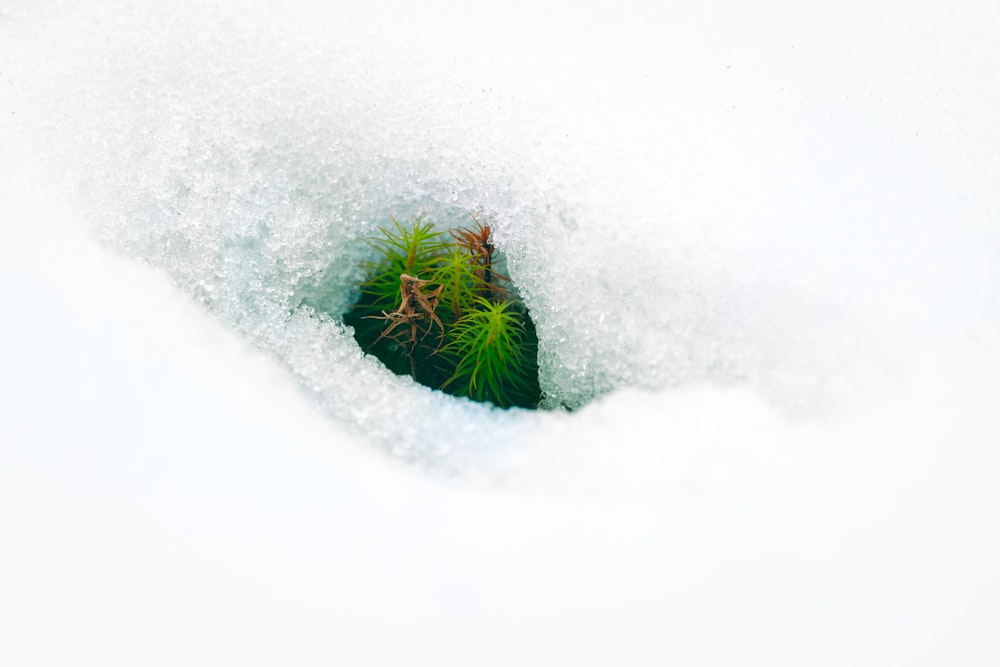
{"type": "Point", "coordinates": [761, 249]}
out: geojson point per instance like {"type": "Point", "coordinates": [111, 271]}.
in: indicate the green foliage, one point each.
{"type": "Point", "coordinates": [412, 250]}
{"type": "Point", "coordinates": [437, 309]}
{"type": "Point", "coordinates": [488, 347]}
{"type": "Point", "coordinates": [460, 280]}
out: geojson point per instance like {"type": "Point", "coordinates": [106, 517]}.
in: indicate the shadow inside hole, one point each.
{"type": "Point", "coordinates": [435, 304]}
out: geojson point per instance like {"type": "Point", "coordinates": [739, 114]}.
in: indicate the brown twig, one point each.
{"type": "Point", "coordinates": [479, 243]}
{"type": "Point", "coordinates": [415, 306]}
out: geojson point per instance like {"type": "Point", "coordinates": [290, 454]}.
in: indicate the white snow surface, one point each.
{"type": "Point", "coordinates": [762, 249]}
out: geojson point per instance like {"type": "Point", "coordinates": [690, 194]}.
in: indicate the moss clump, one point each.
{"type": "Point", "coordinates": [433, 305]}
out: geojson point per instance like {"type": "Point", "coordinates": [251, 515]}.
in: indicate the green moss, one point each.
{"type": "Point", "coordinates": [436, 308]}
{"type": "Point", "coordinates": [489, 349]}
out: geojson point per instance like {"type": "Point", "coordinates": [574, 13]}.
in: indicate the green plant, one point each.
{"type": "Point", "coordinates": [488, 346]}
{"type": "Point", "coordinates": [434, 306]}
